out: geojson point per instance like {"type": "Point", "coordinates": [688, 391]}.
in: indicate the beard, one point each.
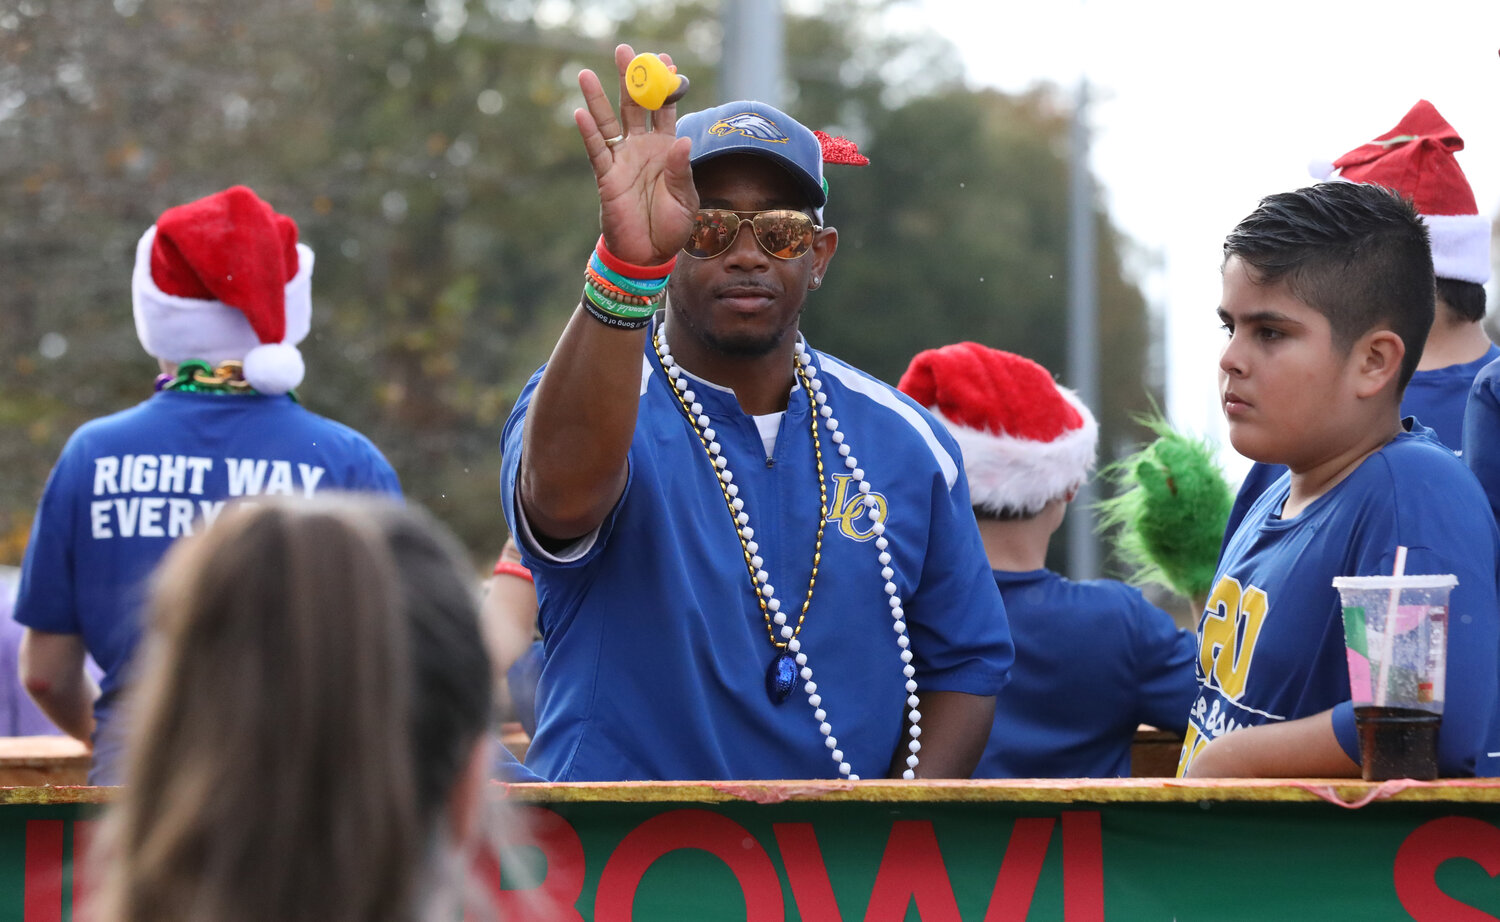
{"type": "Point", "coordinates": [741, 345]}
{"type": "Point", "coordinates": [735, 343]}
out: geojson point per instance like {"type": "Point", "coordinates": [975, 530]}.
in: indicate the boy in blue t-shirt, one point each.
{"type": "Point", "coordinates": [1417, 159]}
{"type": "Point", "coordinates": [1327, 299]}
{"type": "Point", "coordinates": [1094, 659]}
{"type": "Point", "coordinates": [222, 294]}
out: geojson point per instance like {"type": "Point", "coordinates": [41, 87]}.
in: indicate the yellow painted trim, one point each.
{"type": "Point", "coordinates": [1032, 791]}
{"type": "Point", "coordinates": [55, 794]}
{"type": "Point", "coordinates": [1342, 791]}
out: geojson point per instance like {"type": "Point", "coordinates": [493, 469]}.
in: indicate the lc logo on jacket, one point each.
{"type": "Point", "coordinates": [850, 511]}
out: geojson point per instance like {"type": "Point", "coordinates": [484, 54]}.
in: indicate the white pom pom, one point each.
{"type": "Point", "coordinates": [274, 368]}
{"type": "Point", "coordinates": [1320, 169]}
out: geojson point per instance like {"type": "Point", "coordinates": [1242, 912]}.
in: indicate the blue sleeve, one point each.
{"type": "Point", "coordinates": [1466, 546]}
{"type": "Point", "coordinates": [510, 461]}
{"type": "Point", "coordinates": [1345, 731]}
{"type": "Point", "coordinates": [510, 475]}
{"type": "Point", "coordinates": [960, 634]}
{"type": "Point", "coordinates": [506, 767]}
{"type": "Point", "coordinates": [1473, 678]}
{"type": "Point", "coordinates": [378, 476]}
{"type": "Point", "coordinates": [560, 598]}
{"type": "Point", "coordinates": [361, 466]}
{"type": "Point", "coordinates": [1165, 657]}
{"type": "Point", "coordinates": [47, 599]}
{"type": "Point", "coordinates": [383, 477]}
{"type": "Point", "coordinates": [1481, 442]}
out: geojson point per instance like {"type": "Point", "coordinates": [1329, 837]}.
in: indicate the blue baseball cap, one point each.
{"type": "Point", "coordinates": [747, 127]}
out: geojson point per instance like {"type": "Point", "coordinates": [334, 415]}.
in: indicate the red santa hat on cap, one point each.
{"type": "Point", "coordinates": [1416, 160]}
{"type": "Point", "coordinates": [1026, 441]}
{"type": "Point", "coordinates": [224, 278]}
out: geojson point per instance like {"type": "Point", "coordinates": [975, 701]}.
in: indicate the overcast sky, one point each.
{"type": "Point", "coordinates": [1202, 108]}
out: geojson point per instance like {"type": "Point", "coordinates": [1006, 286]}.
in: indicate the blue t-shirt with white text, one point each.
{"type": "Point", "coordinates": [127, 485]}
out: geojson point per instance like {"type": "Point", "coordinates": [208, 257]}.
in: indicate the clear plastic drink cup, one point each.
{"type": "Point", "coordinates": [1396, 638]}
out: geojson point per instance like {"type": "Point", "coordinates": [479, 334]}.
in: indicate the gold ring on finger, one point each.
{"type": "Point", "coordinates": [611, 142]}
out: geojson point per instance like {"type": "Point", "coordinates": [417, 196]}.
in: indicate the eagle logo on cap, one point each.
{"type": "Point", "coordinates": [751, 125]}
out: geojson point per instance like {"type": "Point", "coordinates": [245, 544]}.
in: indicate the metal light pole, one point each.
{"type": "Point", "coordinates": [1083, 326]}
{"type": "Point", "coordinates": [754, 55]}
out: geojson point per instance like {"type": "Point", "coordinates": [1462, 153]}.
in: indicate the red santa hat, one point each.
{"type": "Point", "coordinates": [224, 278]}
{"type": "Point", "coordinates": [1416, 160]}
{"type": "Point", "coordinates": [1026, 440]}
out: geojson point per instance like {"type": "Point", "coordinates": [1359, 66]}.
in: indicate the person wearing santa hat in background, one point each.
{"type": "Point", "coordinates": [1416, 159]}
{"type": "Point", "coordinates": [222, 295]}
{"type": "Point", "coordinates": [1094, 659]}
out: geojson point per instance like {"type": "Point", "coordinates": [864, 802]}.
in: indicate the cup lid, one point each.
{"type": "Point", "coordinates": [1406, 581]}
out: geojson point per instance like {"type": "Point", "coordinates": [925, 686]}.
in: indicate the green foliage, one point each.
{"type": "Point", "coordinates": [1171, 511]}
{"type": "Point", "coordinates": [428, 153]}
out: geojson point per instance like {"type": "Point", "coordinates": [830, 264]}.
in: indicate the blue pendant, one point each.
{"type": "Point", "coordinates": [781, 677]}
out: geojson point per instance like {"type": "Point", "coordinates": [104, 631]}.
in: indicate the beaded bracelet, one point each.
{"type": "Point", "coordinates": [614, 293]}
{"type": "Point", "coordinates": [621, 294]}
{"type": "Point", "coordinates": [628, 307]}
{"type": "Point", "coordinates": [511, 568]}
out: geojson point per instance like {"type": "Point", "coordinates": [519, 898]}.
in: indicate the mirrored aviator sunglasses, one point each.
{"type": "Point", "coordinates": [783, 233]}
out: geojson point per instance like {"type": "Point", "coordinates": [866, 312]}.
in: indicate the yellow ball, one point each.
{"type": "Point", "coordinates": [650, 81]}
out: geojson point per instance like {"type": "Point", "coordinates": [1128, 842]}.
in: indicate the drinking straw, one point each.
{"type": "Point", "coordinates": [1388, 634]}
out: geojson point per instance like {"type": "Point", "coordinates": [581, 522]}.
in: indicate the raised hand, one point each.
{"type": "Point", "coordinates": [646, 195]}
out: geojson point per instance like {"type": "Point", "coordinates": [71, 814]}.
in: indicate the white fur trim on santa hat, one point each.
{"type": "Point", "coordinates": [1009, 474]}
{"type": "Point", "coordinates": [274, 368]}
{"type": "Point", "coordinates": [175, 329]}
{"type": "Point", "coordinates": [1320, 169]}
{"type": "Point", "coordinates": [1460, 246]}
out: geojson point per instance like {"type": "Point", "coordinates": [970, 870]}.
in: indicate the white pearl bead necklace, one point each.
{"type": "Point", "coordinates": [807, 373]}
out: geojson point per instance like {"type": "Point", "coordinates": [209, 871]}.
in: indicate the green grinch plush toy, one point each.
{"type": "Point", "coordinates": [1171, 511]}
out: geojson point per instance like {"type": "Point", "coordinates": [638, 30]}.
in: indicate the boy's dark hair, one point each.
{"type": "Point", "coordinates": [1356, 253]}
{"type": "Point", "coordinates": [1464, 299]}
